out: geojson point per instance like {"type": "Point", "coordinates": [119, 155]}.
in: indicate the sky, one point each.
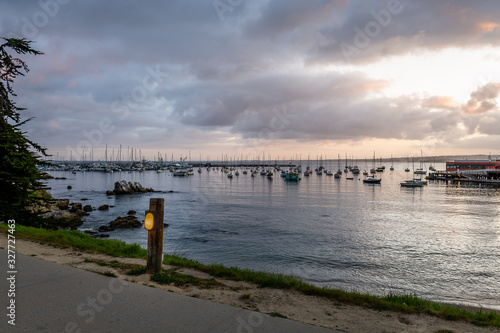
{"type": "Point", "coordinates": [247, 79]}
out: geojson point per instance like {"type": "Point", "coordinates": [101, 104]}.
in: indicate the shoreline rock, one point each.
{"type": "Point", "coordinates": [55, 213]}
{"type": "Point", "coordinates": [124, 187]}
{"type": "Point", "coordinates": [103, 207]}
{"type": "Point", "coordinates": [127, 222]}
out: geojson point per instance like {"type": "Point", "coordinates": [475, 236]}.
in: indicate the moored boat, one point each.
{"type": "Point", "coordinates": [292, 176]}
{"type": "Point", "coordinates": [411, 183]}
{"type": "Point", "coordinates": [372, 180]}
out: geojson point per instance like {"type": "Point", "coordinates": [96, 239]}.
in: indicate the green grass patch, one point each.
{"type": "Point", "coordinates": [115, 264]}
{"type": "Point", "coordinates": [131, 269]}
{"type": "Point", "coordinates": [137, 271]}
{"type": "Point", "coordinates": [263, 280]}
{"type": "Point", "coordinates": [445, 311]}
{"type": "Point", "coordinates": [179, 279]}
{"type": "Point", "coordinates": [400, 303]}
{"type": "Point", "coordinates": [78, 241]}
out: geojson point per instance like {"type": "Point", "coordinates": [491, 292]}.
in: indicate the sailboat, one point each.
{"type": "Point", "coordinates": [420, 171]}
{"type": "Point", "coordinates": [338, 174]}
{"type": "Point", "coordinates": [320, 167]}
{"type": "Point", "coordinates": [372, 170]}
{"type": "Point", "coordinates": [431, 167]}
{"type": "Point", "coordinates": [392, 164]}
{"type": "Point", "coordinates": [413, 182]}
{"type": "Point", "coordinates": [372, 180]}
{"type": "Point", "coordinates": [355, 169]}
{"type": "Point", "coordinates": [408, 162]}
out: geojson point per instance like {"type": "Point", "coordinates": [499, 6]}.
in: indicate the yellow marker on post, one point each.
{"type": "Point", "coordinates": [149, 221]}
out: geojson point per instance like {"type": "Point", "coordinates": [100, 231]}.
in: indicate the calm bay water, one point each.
{"type": "Point", "coordinates": [441, 241]}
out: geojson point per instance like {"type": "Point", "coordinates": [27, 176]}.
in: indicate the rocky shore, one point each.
{"type": "Point", "coordinates": [61, 214]}
{"type": "Point", "coordinates": [58, 213]}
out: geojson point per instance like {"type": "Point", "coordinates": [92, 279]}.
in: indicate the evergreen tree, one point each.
{"type": "Point", "coordinates": [19, 156]}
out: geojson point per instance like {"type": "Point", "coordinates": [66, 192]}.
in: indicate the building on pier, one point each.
{"type": "Point", "coordinates": [472, 165]}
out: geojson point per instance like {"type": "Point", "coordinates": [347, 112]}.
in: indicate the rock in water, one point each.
{"type": "Point", "coordinates": [121, 222]}
{"type": "Point", "coordinates": [126, 222]}
{"type": "Point", "coordinates": [87, 208]}
{"type": "Point", "coordinates": [75, 206]}
{"type": "Point", "coordinates": [124, 187]}
{"type": "Point", "coordinates": [105, 228]}
{"type": "Point", "coordinates": [80, 212]}
{"type": "Point", "coordinates": [103, 207]}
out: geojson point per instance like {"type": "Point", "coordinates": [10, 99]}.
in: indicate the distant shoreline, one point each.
{"type": "Point", "coordinates": [285, 161]}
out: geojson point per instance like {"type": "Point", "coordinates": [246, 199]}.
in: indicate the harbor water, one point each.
{"type": "Point", "coordinates": [441, 241]}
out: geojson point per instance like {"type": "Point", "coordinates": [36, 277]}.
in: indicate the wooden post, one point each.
{"type": "Point", "coordinates": [155, 236]}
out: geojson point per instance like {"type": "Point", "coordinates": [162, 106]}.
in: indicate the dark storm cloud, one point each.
{"type": "Point", "coordinates": [374, 29]}
{"type": "Point", "coordinates": [238, 70]}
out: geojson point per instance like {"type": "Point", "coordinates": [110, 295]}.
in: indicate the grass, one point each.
{"type": "Point", "coordinates": [263, 280]}
{"type": "Point", "coordinates": [137, 271]}
{"type": "Point", "coordinates": [179, 279]}
{"type": "Point", "coordinates": [78, 241]}
{"type": "Point", "coordinates": [401, 303]}
{"type": "Point", "coordinates": [132, 269]}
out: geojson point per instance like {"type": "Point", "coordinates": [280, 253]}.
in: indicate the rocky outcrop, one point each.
{"type": "Point", "coordinates": [124, 187]}
{"type": "Point", "coordinates": [131, 212]}
{"type": "Point", "coordinates": [55, 213]}
{"type": "Point", "coordinates": [63, 204]}
{"type": "Point", "coordinates": [88, 208]}
{"type": "Point", "coordinates": [105, 228]}
{"type": "Point", "coordinates": [127, 222]}
{"type": "Point", "coordinates": [76, 206]}
{"type": "Point", "coordinates": [80, 212]}
{"type": "Point", "coordinates": [63, 216]}
{"type": "Point", "coordinates": [103, 207]}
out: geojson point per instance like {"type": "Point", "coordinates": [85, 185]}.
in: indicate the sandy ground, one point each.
{"type": "Point", "coordinates": [293, 305]}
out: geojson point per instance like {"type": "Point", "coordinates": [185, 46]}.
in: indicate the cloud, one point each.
{"type": "Point", "coordinates": [483, 99]}
{"type": "Point", "coordinates": [440, 102]}
{"type": "Point", "coordinates": [370, 30]}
